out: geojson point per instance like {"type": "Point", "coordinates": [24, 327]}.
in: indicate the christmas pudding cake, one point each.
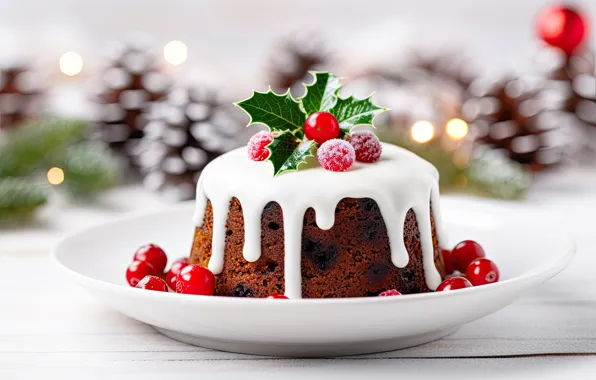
{"type": "Point", "coordinates": [312, 209]}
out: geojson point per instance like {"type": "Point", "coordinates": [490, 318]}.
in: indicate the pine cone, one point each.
{"type": "Point", "coordinates": [582, 98]}
{"type": "Point", "coordinates": [191, 128]}
{"type": "Point", "coordinates": [509, 116]}
{"type": "Point", "coordinates": [130, 86]}
{"type": "Point", "coordinates": [426, 87]}
{"type": "Point", "coordinates": [20, 96]}
{"type": "Point", "coordinates": [571, 84]}
{"type": "Point", "coordinates": [451, 67]}
{"type": "Point", "coordinates": [292, 61]}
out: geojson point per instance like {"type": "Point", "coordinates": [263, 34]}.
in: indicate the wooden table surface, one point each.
{"type": "Point", "coordinates": [52, 329]}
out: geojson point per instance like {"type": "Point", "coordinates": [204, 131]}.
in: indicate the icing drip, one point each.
{"type": "Point", "coordinates": [398, 182]}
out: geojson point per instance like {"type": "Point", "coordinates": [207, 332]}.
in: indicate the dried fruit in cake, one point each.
{"type": "Point", "coordinates": [195, 279]}
{"type": "Point", "coordinates": [464, 253]}
{"type": "Point", "coordinates": [257, 146]}
{"type": "Point", "coordinates": [482, 272]}
{"type": "Point", "coordinates": [390, 293]}
{"type": "Point", "coordinates": [366, 146]}
{"type": "Point", "coordinates": [172, 274]}
{"type": "Point", "coordinates": [153, 255]}
{"type": "Point", "coordinates": [321, 127]}
{"type": "Point", "coordinates": [454, 283]}
{"type": "Point", "coordinates": [152, 283]}
{"type": "Point", "coordinates": [137, 270]}
{"type": "Point", "coordinates": [336, 155]}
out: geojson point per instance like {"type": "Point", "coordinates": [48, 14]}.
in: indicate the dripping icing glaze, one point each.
{"type": "Point", "coordinates": [398, 182]}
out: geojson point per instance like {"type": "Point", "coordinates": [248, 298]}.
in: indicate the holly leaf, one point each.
{"type": "Point", "coordinates": [351, 112]}
{"type": "Point", "coordinates": [321, 95]}
{"type": "Point", "coordinates": [278, 112]}
{"type": "Point", "coordinates": [287, 152]}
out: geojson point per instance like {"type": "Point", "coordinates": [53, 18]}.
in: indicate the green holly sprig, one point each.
{"type": "Point", "coordinates": [285, 117]}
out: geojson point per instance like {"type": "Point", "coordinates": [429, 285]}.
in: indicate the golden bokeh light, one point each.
{"type": "Point", "coordinates": [461, 181]}
{"type": "Point", "coordinates": [175, 52]}
{"type": "Point", "coordinates": [460, 159]}
{"type": "Point", "coordinates": [457, 129]}
{"type": "Point", "coordinates": [422, 131]}
{"type": "Point", "coordinates": [71, 63]}
{"type": "Point", "coordinates": [55, 176]}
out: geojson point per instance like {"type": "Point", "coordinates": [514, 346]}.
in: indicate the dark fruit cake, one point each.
{"type": "Point", "coordinates": [349, 255]}
{"type": "Point", "coordinates": [352, 259]}
{"type": "Point", "coordinates": [311, 209]}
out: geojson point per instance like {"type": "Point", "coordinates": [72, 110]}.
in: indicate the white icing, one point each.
{"type": "Point", "coordinates": [398, 182]}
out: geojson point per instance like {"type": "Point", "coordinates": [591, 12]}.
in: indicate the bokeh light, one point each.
{"type": "Point", "coordinates": [71, 63]}
{"type": "Point", "coordinates": [422, 131]}
{"type": "Point", "coordinates": [175, 52]}
{"type": "Point", "coordinates": [55, 176]}
{"type": "Point", "coordinates": [457, 129]}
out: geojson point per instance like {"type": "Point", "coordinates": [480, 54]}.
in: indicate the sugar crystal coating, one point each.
{"type": "Point", "coordinates": [367, 146]}
{"type": "Point", "coordinates": [336, 155]}
{"type": "Point", "coordinates": [257, 146]}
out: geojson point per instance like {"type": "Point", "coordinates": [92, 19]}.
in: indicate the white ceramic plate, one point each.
{"type": "Point", "coordinates": [527, 256]}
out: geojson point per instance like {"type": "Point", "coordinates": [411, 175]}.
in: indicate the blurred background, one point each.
{"type": "Point", "coordinates": [110, 106]}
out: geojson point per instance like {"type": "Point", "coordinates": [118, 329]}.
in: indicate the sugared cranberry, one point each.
{"type": "Point", "coordinates": [257, 146]}
{"type": "Point", "coordinates": [464, 253]}
{"type": "Point", "coordinates": [367, 146]}
{"type": "Point", "coordinates": [454, 283]}
{"type": "Point", "coordinates": [195, 279]}
{"type": "Point", "coordinates": [174, 270]}
{"type": "Point", "coordinates": [153, 283]}
{"type": "Point", "coordinates": [321, 126]}
{"type": "Point", "coordinates": [447, 261]}
{"type": "Point", "coordinates": [389, 293]}
{"type": "Point", "coordinates": [482, 272]}
{"type": "Point", "coordinates": [137, 270]}
{"type": "Point", "coordinates": [336, 155]}
{"type": "Point", "coordinates": [277, 296]}
{"type": "Point", "coordinates": [154, 255]}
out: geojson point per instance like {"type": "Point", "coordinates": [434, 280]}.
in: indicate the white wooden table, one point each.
{"type": "Point", "coordinates": [50, 328]}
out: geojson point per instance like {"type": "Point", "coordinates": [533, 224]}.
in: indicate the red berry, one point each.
{"type": "Point", "coordinates": [152, 283]}
{"type": "Point", "coordinates": [195, 279]}
{"type": "Point", "coordinates": [154, 255]}
{"type": "Point", "coordinates": [277, 296]}
{"type": "Point", "coordinates": [321, 126]}
{"type": "Point", "coordinates": [367, 146]}
{"type": "Point", "coordinates": [447, 261]}
{"type": "Point", "coordinates": [561, 27]}
{"type": "Point", "coordinates": [172, 274]}
{"type": "Point", "coordinates": [336, 155]}
{"type": "Point", "coordinates": [454, 283]}
{"type": "Point", "coordinates": [257, 146]}
{"type": "Point", "coordinates": [464, 253]}
{"type": "Point", "coordinates": [482, 272]}
{"type": "Point", "coordinates": [389, 293]}
{"type": "Point", "coordinates": [137, 270]}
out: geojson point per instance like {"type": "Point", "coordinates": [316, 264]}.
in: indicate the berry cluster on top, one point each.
{"type": "Point", "coordinates": [318, 120]}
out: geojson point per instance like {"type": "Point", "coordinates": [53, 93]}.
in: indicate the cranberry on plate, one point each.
{"type": "Point", "coordinates": [454, 283]}
{"type": "Point", "coordinates": [482, 272]}
{"type": "Point", "coordinates": [195, 279]}
{"type": "Point", "coordinates": [172, 274]}
{"type": "Point", "coordinates": [464, 253]}
{"type": "Point", "coordinates": [152, 254]}
{"type": "Point", "coordinates": [153, 283]}
{"type": "Point", "coordinates": [137, 270]}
